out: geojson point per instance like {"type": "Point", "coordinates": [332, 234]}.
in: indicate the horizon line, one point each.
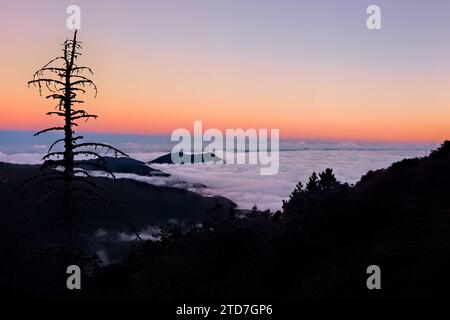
{"type": "Point", "coordinates": [282, 138]}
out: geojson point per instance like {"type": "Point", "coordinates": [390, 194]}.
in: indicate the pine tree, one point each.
{"type": "Point", "coordinates": [65, 82]}
{"type": "Point", "coordinates": [327, 179]}
{"type": "Point", "coordinates": [294, 197]}
{"type": "Point", "coordinates": [313, 184]}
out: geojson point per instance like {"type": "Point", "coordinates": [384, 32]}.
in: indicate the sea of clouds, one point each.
{"type": "Point", "coordinates": [244, 185]}
{"type": "Point", "coordinates": [241, 183]}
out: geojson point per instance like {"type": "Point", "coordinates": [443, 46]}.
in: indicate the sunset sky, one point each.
{"type": "Point", "coordinates": [308, 67]}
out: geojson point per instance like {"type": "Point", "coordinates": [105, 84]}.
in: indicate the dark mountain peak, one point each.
{"type": "Point", "coordinates": [121, 165]}
{"type": "Point", "coordinates": [193, 158]}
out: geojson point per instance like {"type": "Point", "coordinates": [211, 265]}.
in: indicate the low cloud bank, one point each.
{"type": "Point", "coordinates": [244, 185]}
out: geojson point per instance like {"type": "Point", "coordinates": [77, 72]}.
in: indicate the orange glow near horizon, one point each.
{"type": "Point", "coordinates": [322, 105]}
{"type": "Point", "coordinates": [156, 87]}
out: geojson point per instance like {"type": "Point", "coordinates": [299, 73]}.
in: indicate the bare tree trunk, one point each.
{"type": "Point", "coordinates": [68, 157]}
{"type": "Point", "coordinates": [66, 82]}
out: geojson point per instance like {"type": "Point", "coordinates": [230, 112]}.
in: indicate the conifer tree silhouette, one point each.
{"type": "Point", "coordinates": [65, 81]}
{"type": "Point", "coordinates": [327, 179]}
{"type": "Point", "coordinates": [313, 184]}
{"type": "Point", "coordinates": [294, 197]}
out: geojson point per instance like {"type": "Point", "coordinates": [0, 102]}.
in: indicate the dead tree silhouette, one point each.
{"type": "Point", "coordinates": [65, 81]}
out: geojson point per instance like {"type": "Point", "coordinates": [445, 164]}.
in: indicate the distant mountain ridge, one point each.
{"type": "Point", "coordinates": [121, 165]}
{"type": "Point", "coordinates": [194, 158]}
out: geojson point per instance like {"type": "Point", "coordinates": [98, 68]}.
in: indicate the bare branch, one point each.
{"type": "Point", "coordinates": [52, 154]}
{"type": "Point", "coordinates": [82, 171]}
{"type": "Point", "coordinates": [83, 83]}
{"type": "Point", "coordinates": [56, 96]}
{"type": "Point", "coordinates": [77, 69]}
{"type": "Point", "coordinates": [75, 112]}
{"type": "Point", "coordinates": [53, 144]}
{"type": "Point", "coordinates": [102, 145]}
{"type": "Point", "coordinates": [51, 61]}
{"type": "Point", "coordinates": [47, 81]}
{"type": "Point", "coordinates": [51, 163]}
{"type": "Point", "coordinates": [86, 116]}
{"type": "Point", "coordinates": [77, 89]}
{"type": "Point", "coordinates": [100, 167]}
{"type": "Point", "coordinates": [61, 114]}
{"type": "Point", "coordinates": [49, 129]}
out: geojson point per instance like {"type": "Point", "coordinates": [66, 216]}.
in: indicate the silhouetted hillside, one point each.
{"type": "Point", "coordinates": [320, 246]}
{"type": "Point", "coordinates": [28, 226]}
{"type": "Point", "coordinates": [120, 165]}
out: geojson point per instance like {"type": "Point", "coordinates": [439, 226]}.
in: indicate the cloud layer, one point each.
{"type": "Point", "coordinates": [244, 185]}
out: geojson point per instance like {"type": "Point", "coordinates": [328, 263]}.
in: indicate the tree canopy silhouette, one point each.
{"type": "Point", "coordinates": [327, 179]}
{"type": "Point", "coordinates": [315, 185]}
